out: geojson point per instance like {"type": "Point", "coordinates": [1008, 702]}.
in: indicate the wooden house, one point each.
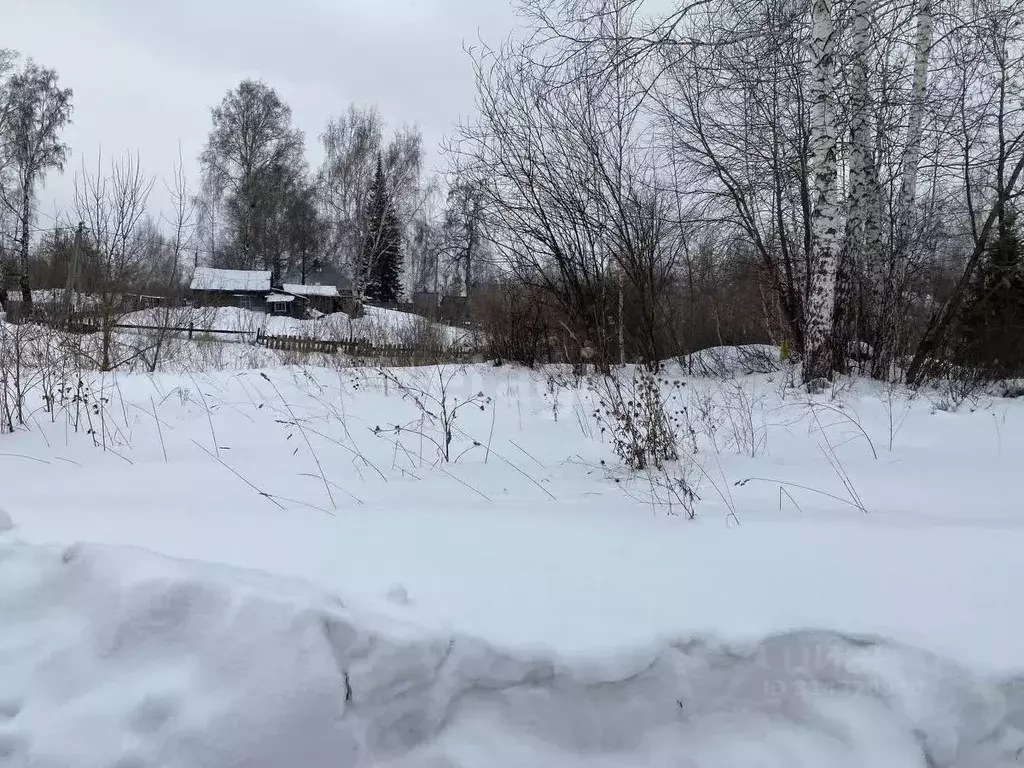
{"type": "Point", "coordinates": [247, 289]}
{"type": "Point", "coordinates": [324, 299]}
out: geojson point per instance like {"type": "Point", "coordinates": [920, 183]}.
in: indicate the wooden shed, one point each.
{"type": "Point", "coordinates": [247, 289]}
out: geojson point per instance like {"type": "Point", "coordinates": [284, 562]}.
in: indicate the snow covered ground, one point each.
{"type": "Point", "coordinates": [278, 570]}
{"type": "Point", "coordinates": [376, 324]}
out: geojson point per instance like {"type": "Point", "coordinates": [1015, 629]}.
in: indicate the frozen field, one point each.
{"type": "Point", "coordinates": [276, 567]}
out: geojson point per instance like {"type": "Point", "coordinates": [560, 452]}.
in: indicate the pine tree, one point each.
{"type": "Point", "coordinates": [993, 320]}
{"type": "Point", "coordinates": [382, 247]}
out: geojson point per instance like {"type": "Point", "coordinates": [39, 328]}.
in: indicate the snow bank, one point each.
{"type": "Point", "coordinates": [117, 657]}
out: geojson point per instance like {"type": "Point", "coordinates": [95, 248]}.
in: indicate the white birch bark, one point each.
{"type": "Point", "coordinates": [825, 215]}
{"type": "Point", "coordinates": [915, 120]}
{"type": "Point", "coordinates": [891, 300]}
{"type": "Point", "coordinates": [862, 249]}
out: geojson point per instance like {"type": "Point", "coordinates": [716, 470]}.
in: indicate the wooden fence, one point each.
{"type": "Point", "coordinates": [293, 343]}
{"type": "Point", "coordinates": [362, 349]}
{"type": "Point", "coordinates": [94, 325]}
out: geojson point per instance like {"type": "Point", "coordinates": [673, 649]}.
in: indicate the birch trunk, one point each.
{"type": "Point", "coordinates": [892, 299]}
{"type": "Point", "coordinates": [915, 120]}
{"type": "Point", "coordinates": [26, 221]}
{"type": "Point", "coordinates": [818, 360]}
{"type": "Point", "coordinates": [862, 244]}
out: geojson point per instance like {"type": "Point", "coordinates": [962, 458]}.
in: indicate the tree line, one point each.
{"type": "Point", "coordinates": [838, 177]}
{"type": "Point", "coordinates": [841, 178]}
{"type": "Point", "coordinates": [369, 211]}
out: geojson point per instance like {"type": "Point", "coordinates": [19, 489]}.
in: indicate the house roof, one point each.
{"type": "Point", "coordinates": [210, 279]}
{"type": "Point", "coordinates": [322, 274]}
{"type": "Point", "coordinates": [279, 298]}
{"type": "Point", "coordinates": [311, 290]}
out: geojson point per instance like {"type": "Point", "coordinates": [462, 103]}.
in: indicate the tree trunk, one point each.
{"type": "Point", "coordinates": [895, 280]}
{"type": "Point", "coordinates": [3, 281]}
{"type": "Point", "coordinates": [862, 242]}
{"type": "Point", "coordinates": [915, 120]}
{"type": "Point", "coordinates": [942, 320]}
{"type": "Point", "coordinates": [824, 252]}
{"type": "Point", "coordinates": [26, 213]}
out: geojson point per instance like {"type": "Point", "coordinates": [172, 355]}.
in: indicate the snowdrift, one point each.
{"type": "Point", "coordinates": [113, 656]}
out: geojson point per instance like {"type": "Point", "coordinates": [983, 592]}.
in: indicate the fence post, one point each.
{"type": "Point", "coordinates": [191, 325]}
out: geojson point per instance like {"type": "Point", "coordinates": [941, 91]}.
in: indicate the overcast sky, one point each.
{"type": "Point", "coordinates": [146, 72]}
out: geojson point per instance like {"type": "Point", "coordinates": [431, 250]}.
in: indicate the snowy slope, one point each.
{"type": "Point", "coordinates": [518, 607]}
{"type": "Point", "coordinates": [118, 657]}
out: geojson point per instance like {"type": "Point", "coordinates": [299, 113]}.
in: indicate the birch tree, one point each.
{"type": "Point", "coordinates": [819, 356]}
{"type": "Point", "coordinates": [38, 111]}
{"type": "Point", "coordinates": [891, 298]}
{"type": "Point", "coordinates": [253, 157]}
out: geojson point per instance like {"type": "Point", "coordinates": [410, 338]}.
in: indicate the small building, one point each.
{"type": "Point", "coordinates": [322, 298]}
{"type": "Point", "coordinates": [326, 287]}
{"type": "Point", "coordinates": [279, 303]}
{"type": "Point", "coordinates": [247, 289]}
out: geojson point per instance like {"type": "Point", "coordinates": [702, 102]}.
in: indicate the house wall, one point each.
{"type": "Point", "coordinates": [325, 304]}
{"type": "Point", "coordinates": [254, 301]}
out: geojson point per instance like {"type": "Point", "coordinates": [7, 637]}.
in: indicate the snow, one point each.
{"type": "Point", "coordinates": [377, 325]}
{"type": "Point", "coordinates": [279, 298]}
{"type": "Point", "coordinates": [276, 576]}
{"type": "Point", "coordinates": [113, 656]}
{"type": "Point", "coordinates": [311, 290]}
{"type": "Point", "coordinates": [210, 279]}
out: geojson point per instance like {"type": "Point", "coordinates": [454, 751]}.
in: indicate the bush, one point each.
{"type": "Point", "coordinates": [640, 422]}
{"type": "Point", "coordinates": [515, 321]}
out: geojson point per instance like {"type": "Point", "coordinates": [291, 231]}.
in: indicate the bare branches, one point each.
{"type": "Point", "coordinates": [112, 204]}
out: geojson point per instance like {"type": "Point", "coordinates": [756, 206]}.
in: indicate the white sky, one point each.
{"type": "Point", "coordinates": [147, 72]}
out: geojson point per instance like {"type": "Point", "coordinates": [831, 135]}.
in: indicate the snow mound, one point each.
{"type": "Point", "coordinates": [118, 657]}
{"type": "Point", "coordinates": [727, 362]}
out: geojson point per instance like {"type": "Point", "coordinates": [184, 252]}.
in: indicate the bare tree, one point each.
{"type": "Point", "coordinates": [462, 227]}
{"type": "Point", "coordinates": [181, 225]}
{"type": "Point", "coordinates": [569, 173]}
{"type": "Point", "coordinates": [735, 108]}
{"type": "Point", "coordinates": [253, 157]}
{"type": "Point", "coordinates": [112, 204]}
{"type": "Point", "coordinates": [983, 56]}
{"type": "Point", "coordinates": [38, 111]}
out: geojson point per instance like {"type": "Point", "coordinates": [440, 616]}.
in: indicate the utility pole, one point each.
{"type": "Point", "coordinates": [72, 278]}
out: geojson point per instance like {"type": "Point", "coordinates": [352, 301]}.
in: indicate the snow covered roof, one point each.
{"type": "Point", "coordinates": [279, 298]}
{"type": "Point", "coordinates": [209, 279]}
{"type": "Point", "coordinates": [311, 290]}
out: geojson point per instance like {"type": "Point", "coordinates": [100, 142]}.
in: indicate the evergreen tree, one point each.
{"type": "Point", "coordinates": [382, 247]}
{"type": "Point", "coordinates": [993, 320]}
